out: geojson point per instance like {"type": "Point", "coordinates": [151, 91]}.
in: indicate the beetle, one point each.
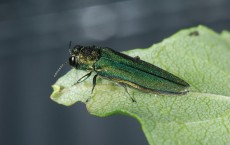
{"type": "Point", "coordinates": [125, 70]}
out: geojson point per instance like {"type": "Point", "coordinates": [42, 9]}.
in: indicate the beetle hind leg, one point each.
{"type": "Point", "coordinates": [126, 90]}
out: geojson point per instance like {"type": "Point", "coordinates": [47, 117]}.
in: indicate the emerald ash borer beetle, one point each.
{"type": "Point", "coordinates": [124, 70]}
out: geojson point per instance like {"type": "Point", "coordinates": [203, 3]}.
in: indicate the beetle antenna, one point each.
{"type": "Point", "coordinates": [61, 66]}
{"type": "Point", "coordinates": [59, 69]}
{"type": "Point", "coordinates": [70, 43]}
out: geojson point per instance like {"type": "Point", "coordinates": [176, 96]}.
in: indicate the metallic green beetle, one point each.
{"type": "Point", "coordinates": [125, 70]}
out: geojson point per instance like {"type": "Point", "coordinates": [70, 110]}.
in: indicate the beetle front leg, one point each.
{"type": "Point", "coordinates": [83, 78]}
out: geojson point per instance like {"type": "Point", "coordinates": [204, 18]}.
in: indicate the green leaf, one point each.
{"type": "Point", "coordinates": [198, 55]}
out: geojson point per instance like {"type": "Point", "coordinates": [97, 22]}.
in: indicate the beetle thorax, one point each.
{"type": "Point", "coordinates": [88, 56]}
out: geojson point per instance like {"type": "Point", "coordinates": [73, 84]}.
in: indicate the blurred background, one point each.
{"type": "Point", "coordinates": [34, 39]}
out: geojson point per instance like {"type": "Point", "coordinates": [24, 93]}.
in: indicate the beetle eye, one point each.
{"type": "Point", "coordinates": [72, 61]}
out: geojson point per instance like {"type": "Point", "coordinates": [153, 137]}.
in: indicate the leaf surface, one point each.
{"type": "Point", "coordinates": [198, 55]}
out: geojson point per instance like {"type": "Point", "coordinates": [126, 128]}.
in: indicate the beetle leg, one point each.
{"type": "Point", "coordinates": [126, 90]}
{"type": "Point", "coordinates": [94, 84]}
{"type": "Point", "coordinates": [83, 78]}
{"type": "Point", "coordinates": [137, 57]}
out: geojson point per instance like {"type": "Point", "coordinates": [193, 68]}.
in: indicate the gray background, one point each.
{"type": "Point", "coordinates": [34, 37]}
